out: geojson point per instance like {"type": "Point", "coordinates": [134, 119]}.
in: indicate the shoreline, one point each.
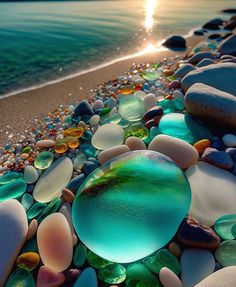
{"type": "Point", "coordinates": [18, 110]}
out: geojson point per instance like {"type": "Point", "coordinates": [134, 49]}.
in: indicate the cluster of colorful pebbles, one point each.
{"type": "Point", "coordinates": [71, 191]}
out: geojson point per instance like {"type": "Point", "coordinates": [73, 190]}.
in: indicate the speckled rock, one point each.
{"type": "Point", "coordinates": [219, 76]}
{"type": "Point", "coordinates": [208, 103]}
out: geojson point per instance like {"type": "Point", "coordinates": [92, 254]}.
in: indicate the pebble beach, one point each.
{"type": "Point", "coordinates": [127, 175]}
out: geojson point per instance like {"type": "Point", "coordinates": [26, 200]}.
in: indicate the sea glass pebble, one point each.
{"type": "Point", "coordinates": [131, 108]}
{"type": "Point", "coordinates": [53, 180]}
{"type": "Point", "coordinates": [223, 226]}
{"type": "Point", "coordinates": [26, 201]}
{"type": "Point", "coordinates": [124, 193]}
{"type": "Point", "coordinates": [138, 275]}
{"type": "Point", "coordinates": [209, 202]}
{"type": "Point", "coordinates": [10, 177]}
{"type": "Point", "coordinates": [49, 278]}
{"type": "Point", "coordinates": [79, 256]}
{"type": "Point", "coordinates": [107, 136]}
{"type": "Point", "coordinates": [226, 253]}
{"type": "Point", "coordinates": [112, 273]}
{"type": "Point", "coordinates": [36, 209]}
{"type": "Point", "coordinates": [76, 132]}
{"type": "Point", "coordinates": [30, 174]}
{"type": "Point", "coordinates": [54, 231]}
{"type": "Point", "coordinates": [87, 278]}
{"type": "Point", "coordinates": [137, 130]}
{"type": "Point", "coordinates": [169, 278]}
{"type": "Point", "coordinates": [28, 260]}
{"type": "Point", "coordinates": [60, 147]}
{"type": "Point", "coordinates": [96, 261]}
{"type": "Point", "coordinates": [182, 127]}
{"type": "Point", "coordinates": [150, 74]}
{"type": "Point", "coordinates": [43, 160]}
{"type": "Point", "coordinates": [20, 277]}
{"type": "Point", "coordinates": [12, 188]}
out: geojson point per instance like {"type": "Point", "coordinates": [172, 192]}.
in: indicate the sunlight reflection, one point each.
{"type": "Point", "coordinates": [150, 7]}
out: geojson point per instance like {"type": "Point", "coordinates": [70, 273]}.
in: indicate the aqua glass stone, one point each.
{"type": "Point", "coordinates": [35, 210]}
{"type": "Point", "coordinates": [183, 127]}
{"type": "Point", "coordinates": [30, 246]}
{"type": "Point", "coordinates": [79, 161]}
{"type": "Point", "coordinates": [178, 104]}
{"type": "Point", "coordinates": [52, 207]}
{"type": "Point", "coordinates": [115, 119]}
{"type": "Point", "coordinates": [87, 135]}
{"type": "Point", "coordinates": [233, 230]}
{"type": "Point", "coordinates": [226, 253]}
{"type": "Point", "coordinates": [113, 273]}
{"type": "Point", "coordinates": [10, 177]}
{"type": "Point", "coordinates": [150, 74]}
{"type": "Point", "coordinates": [124, 123]}
{"type": "Point", "coordinates": [43, 160]}
{"type": "Point", "coordinates": [13, 189]}
{"type": "Point", "coordinates": [26, 201]}
{"type": "Point", "coordinates": [167, 106]}
{"type": "Point", "coordinates": [154, 131]}
{"type": "Point", "coordinates": [87, 278]}
{"type": "Point", "coordinates": [80, 255]}
{"type": "Point", "coordinates": [137, 130]}
{"type": "Point", "coordinates": [124, 192]}
{"type": "Point", "coordinates": [131, 108]}
{"type": "Point", "coordinates": [163, 258]}
{"type": "Point", "coordinates": [138, 275]}
{"type": "Point", "coordinates": [223, 226]}
{"type": "Point", "coordinates": [20, 278]}
{"type": "Point", "coordinates": [88, 149]}
{"type": "Point", "coordinates": [96, 261]}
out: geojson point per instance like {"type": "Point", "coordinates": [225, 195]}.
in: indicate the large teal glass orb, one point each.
{"type": "Point", "coordinates": [131, 206]}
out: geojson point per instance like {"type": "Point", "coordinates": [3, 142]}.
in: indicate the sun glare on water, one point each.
{"type": "Point", "coordinates": [150, 7]}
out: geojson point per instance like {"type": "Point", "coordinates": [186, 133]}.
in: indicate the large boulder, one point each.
{"type": "Point", "coordinates": [210, 104]}
{"type": "Point", "coordinates": [228, 46]}
{"type": "Point", "coordinates": [220, 76]}
{"type": "Point", "coordinates": [175, 42]}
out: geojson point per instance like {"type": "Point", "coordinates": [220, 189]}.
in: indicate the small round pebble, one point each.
{"type": "Point", "coordinates": [229, 140]}
{"type": "Point", "coordinates": [135, 143]}
{"type": "Point", "coordinates": [168, 278]}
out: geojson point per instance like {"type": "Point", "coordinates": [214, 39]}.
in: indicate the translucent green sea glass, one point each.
{"type": "Point", "coordinates": [131, 108]}
{"type": "Point", "coordinates": [10, 177]}
{"type": "Point", "coordinates": [183, 127]}
{"type": "Point", "coordinates": [12, 187]}
{"type": "Point", "coordinates": [43, 160]}
{"type": "Point", "coordinates": [20, 277]}
{"type": "Point", "coordinates": [80, 255]}
{"type": "Point", "coordinates": [226, 253]}
{"type": "Point", "coordinates": [131, 206]}
{"type": "Point", "coordinates": [113, 273]}
{"type": "Point", "coordinates": [223, 226]}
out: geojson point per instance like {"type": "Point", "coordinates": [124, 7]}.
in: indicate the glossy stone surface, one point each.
{"type": "Point", "coordinates": [55, 231]}
{"type": "Point", "coordinates": [112, 273]}
{"type": "Point", "coordinates": [87, 278]}
{"type": "Point", "coordinates": [110, 200]}
{"type": "Point", "coordinates": [131, 108]}
{"type": "Point", "coordinates": [43, 160]}
{"type": "Point", "coordinates": [28, 260]}
{"type": "Point", "coordinates": [223, 226]}
{"type": "Point", "coordinates": [96, 261]}
{"type": "Point", "coordinates": [30, 174]}
{"type": "Point", "coordinates": [107, 136]}
{"type": "Point", "coordinates": [79, 256]}
{"type": "Point", "coordinates": [226, 253]}
{"type": "Point", "coordinates": [182, 127]}
{"type": "Point", "coordinates": [196, 265]}
{"type": "Point", "coordinates": [53, 180]}
{"type": "Point", "coordinates": [208, 201]}
{"type": "Point", "coordinates": [20, 277]}
{"type": "Point", "coordinates": [14, 227]}
{"type": "Point", "coordinates": [137, 130]}
{"type": "Point", "coordinates": [12, 185]}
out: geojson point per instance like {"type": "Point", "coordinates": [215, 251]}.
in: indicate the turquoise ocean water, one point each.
{"type": "Point", "coordinates": [45, 41]}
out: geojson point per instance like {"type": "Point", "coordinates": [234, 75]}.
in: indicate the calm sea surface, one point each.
{"type": "Point", "coordinates": [44, 41]}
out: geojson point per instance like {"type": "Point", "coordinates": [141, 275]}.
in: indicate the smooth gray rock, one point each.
{"type": "Point", "coordinates": [220, 76]}
{"type": "Point", "coordinates": [184, 70]}
{"type": "Point", "coordinates": [14, 228]}
{"type": "Point", "coordinates": [175, 41]}
{"type": "Point", "coordinates": [208, 103]}
{"type": "Point", "coordinates": [228, 46]}
{"type": "Point", "coordinates": [196, 58]}
{"type": "Point", "coordinates": [204, 63]}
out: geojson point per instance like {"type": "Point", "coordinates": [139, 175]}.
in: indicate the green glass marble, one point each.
{"type": "Point", "coordinates": [26, 201]}
{"type": "Point", "coordinates": [52, 207]}
{"type": "Point", "coordinates": [20, 278]}
{"type": "Point", "coordinates": [131, 108]}
{"type": "Point", "coordinates": [226, 253]}
{"type": "Point", "coordinates": [36, 209]}
{"type": "Point", "coordinates": [13, 189]}
{"type": "Point", "coordinates": [223, 226]}
{"type": "Point", "coordinates": [183, 127]}
{"type": "Point", "coordinates": [151, 74]}
{"type": "Point", "coordinates": [113, 273]}
{"type": "Point", "coordinates": [96, 261]}
{"type": "Point", "coordinates": [137, 275]}
{"type": "Point", "coordinates": [80, 255]}
{"type": "Point", "coordinates": [137, 130]}
{"type": "Point", "coordinates": [10, 177]}
{"type": "Point", "coordinates": [43, 160]}
{"type": "Point", "coordinates": [163, 258]}
{"type": "Point", "coordinates": [124, 193]}
{"type": "Point", "coordinates": [167, 106]}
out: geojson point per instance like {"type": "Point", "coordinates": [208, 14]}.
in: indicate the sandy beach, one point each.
{"type": "Point", "coordinates": [19, 110]}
